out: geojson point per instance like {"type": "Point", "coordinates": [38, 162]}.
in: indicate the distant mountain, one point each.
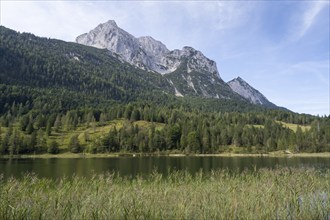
{"type": "Point", "coordinates": [188, 70]}
{"type": "Point", "coordinates": [242, 88]}
{"type": "Point", "coordinates": [51, 75]}
{"type": "Point", "coordinates": [41, 67]}
{"type": "Point", "coordinates": [145, 52]}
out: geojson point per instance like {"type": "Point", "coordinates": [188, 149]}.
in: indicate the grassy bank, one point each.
{"type": "Point", "coordinates": [266, 194]}
{"type": "Point", "coordinates": [109, 155]}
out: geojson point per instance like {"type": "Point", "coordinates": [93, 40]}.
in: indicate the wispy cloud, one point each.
{"type": "Point", "coordinates": [318, 71]}
{"type": "Point", "coordinates": [309, 16]}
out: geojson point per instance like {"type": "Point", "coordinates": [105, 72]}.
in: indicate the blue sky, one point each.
{"type": "Point", "coordinates": [279, 47]}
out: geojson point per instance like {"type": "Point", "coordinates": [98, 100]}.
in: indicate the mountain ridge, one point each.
{"type": "Point", "coordinates": [111, 77]}
{"type": "Point", "coordinates": [45, 72]}
{"type": "Point", "coordinates": [188, 70]}
{"type": "Point", "coordinates": [144, 52]}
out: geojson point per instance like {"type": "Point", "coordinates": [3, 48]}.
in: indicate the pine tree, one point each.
{"type": "Point", "coordinates": [24, 122]}
{"type": "Point", "coordinates": [57, 123]}
{"type": "Point", "coordinates": [113, 142]}
{"type": "Point", "coordinates": [40, 122]}
{"type": "Point", "coordinates": [88, 119]}
{"type": "Point", "coordinates": [30, 128]}
{"type": "Point", "coordinates": [206, 141]}
{"type": "Point", "coordinates": [49, 127]}
{"type": "Point", "coordinates": [135, 116]}
{"type": "Point", "coordinates": [33, 142]}
{"type": "Point", "coordinates": [41, 142]}
{"type": "Point", "coordinates": [299, 138]}
{"type": "Point", "coordinates": [53, 147]}
{"type": "Point", "coordinates": [74, 145]}
{"type": "Point", "coordinates": [14, 143]}
{"type": "Point", "coordinates": [174, 135]}
{"type": "Point", "coordinates": [103, 119]}
{"type": "Point", "coordinates": [4, 147]}
{"type": "Point", "coordinates": [193, 142]}
{"type": "Point", "coordinates": [151, 135]}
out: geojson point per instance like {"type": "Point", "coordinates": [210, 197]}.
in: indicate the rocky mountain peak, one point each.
{"type": "Point", "coordinates": [111, 23]}
{"type": "Point", "coordinates": [108, 35]}
{"type": "Point", "coordinates": [239, 79]}
{"type": "Point", "coordinates": [241, 87]}
{"type": "Point", "coordinates": [152, 46]}
{"type": "Point", "coordinates": [188, 70]}
{"type": "Point", "coordinates": [146, 52]}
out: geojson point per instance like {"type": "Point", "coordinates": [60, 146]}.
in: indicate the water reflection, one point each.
{"type": "Point", "coordinates": [132, 166]}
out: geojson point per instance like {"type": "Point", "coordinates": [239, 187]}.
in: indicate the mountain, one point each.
{"type": "Point", "coordinates": [242, 88]}
{"type": "Point", "coordinates": [126, 46]}
{"type": "Point", "coordinates": [53, 71]}
{"type": "Point", "coordinates": [34, 66]}
{"type": "Point", "coordinates": [144, 52]}
{"type": "Point", "coordinates": [196, 75]}
{"type": "Point", "coordinates": [187, 70]}
{"type": "Point", "coordinates": [50, 75]}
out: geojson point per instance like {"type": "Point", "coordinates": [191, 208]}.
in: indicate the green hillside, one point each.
{"type": "Point", "coordinates": [59, 96]}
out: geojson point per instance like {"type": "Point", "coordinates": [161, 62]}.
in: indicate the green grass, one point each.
{"type": "Point", "coordinates": [294, 127]}
{"type": "Point", "coordinates": [63, 136]}
{"type": "Point", "coordinates": [291, 126]}
{"type": "Point", "coordinates": [264, 194]}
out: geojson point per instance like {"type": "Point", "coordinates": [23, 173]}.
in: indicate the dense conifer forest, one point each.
{"type": "Point", "coordinates": [58, 96]}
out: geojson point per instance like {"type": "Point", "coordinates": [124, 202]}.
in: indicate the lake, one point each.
{"type": "Point", "coordinates": [133, 166]}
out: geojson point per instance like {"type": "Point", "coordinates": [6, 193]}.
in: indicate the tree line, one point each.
{"type": "Point", "coordinates": [166, 129]}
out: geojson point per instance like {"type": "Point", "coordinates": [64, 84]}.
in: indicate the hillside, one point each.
{"type": "Point", "coordinates": [48, 70]}
{"type": "Point", "coordinates": [67, 96]}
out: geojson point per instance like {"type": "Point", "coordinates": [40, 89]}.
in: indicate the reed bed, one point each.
{"type": "Point", "coordinates": [264, 194]}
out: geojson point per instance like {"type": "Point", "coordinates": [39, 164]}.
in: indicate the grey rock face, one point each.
{"type": "Point", "coordinates": [241, 87]}
{"type": "Point", "coordinates": [146, 52]}
{"type": "Point", "coordinates": [187, 70]}
{"type": "Point", "coordinates": [196, 61]}
{"type": "Point", "coordinates": [108, 35]}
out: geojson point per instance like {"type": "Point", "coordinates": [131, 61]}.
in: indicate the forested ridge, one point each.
{"type": "Point", "coordinates": [58, 96]}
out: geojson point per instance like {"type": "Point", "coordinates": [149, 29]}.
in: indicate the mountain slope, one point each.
{"type": "Point", "coordinates": [33, 62]}
{"type": "Point", "coordinates": [190, 82]}
{"type": "Point", "coordinates": [51, 75]}
{"type": "Point", "coordinates": [187, 70]}
{"type": "Point", "coordinates": [242, 88]}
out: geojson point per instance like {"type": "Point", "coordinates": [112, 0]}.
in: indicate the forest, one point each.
{"type": "Point", "coordinates": [64, 97]}
{"type": "Point", "coordinates": [144, 128]}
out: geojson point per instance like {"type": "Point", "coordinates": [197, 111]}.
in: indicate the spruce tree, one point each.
{"type": "Point", "coordinates": [74, 145]}
{"type": "Point", "coordinates": [53, 147]}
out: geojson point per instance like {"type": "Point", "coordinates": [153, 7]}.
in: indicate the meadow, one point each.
{"type": "Point", "coordinates": [280, 193]}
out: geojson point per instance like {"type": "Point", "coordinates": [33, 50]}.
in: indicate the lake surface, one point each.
{"type": "Point", "coordinates": [133, 166]}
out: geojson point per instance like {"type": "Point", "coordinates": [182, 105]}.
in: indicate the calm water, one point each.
{"type": "Point", "coordinates": [132, 166]}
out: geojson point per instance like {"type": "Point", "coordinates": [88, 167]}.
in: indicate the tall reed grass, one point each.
{"type": "Point", "coordinates": [264, 194]}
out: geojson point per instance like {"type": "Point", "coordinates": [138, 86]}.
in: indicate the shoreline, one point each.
{"type": "Point", "coordinates": [117, 155]}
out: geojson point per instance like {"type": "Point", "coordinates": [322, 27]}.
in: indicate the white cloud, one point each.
{"type": "Point", "coordinates": [56, 19]}
{"type": "Point", "coordinates": [178, 23]}
{"type": "Point", "coordinates": [309, 16]}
